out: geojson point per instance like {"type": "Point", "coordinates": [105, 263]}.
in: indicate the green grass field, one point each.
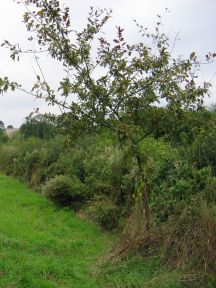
{"type": "Point", "coordinates": [43, 246]}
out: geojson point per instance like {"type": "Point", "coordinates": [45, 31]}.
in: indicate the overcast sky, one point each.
{"type": "Point", "coordinates": [194, 20]}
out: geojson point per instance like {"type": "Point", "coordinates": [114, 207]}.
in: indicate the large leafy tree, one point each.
{"type": "Point", "coordinates": [38, 126]}
{"type": "Point", "coordinates": [109, 83]}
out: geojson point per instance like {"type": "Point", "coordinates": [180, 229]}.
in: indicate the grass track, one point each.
{"type": "Point", "coordinates": [42, 246]}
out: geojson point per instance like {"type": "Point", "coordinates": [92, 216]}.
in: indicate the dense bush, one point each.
{"type": "Point", "coordinates": [203, 150]}
{"type": "Point", "coordinates": [8, 158]}
{"type": "Point", "coordinates": [104, 169]}
{"type": "Point", "coordinates": [65, 191]}
{"type": "Point", "coordinates": [104, 212]}
{"type": "Point", "coordinates": [30, 158]}
{"type": "Point", "coordinates": [3, 137]}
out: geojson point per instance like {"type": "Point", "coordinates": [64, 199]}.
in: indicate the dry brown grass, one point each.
{"type": "Point", "coordinates": [186, 242]}
{"type": "Point", "coordinates": [135, 238]}
{"type": "Point", "coordinates": [191, 238]}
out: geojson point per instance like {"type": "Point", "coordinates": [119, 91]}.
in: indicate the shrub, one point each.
{"type": "Point", "coordinates": [65, 191]}
{"type": "Point", "coordinates": [69, 163]}
{"type": "Point", "coordinates": [172, 200]}
{"type": "Point", "coordinates": [106, 170]}
{"type": "Point", "coordinates": [209, 192]}
{"type": "Point", "coordinates": [190, 238]}
{"type": "Point", "coordinates": [104, 212]}
{"type": "Point", "coordinates": [203, 150]}
{"type": "Point", "coordinates": [158, 158]}
{"type": "Point", "coordinates": [3, 137]}
{"type": "Point", "coordinates": [8, 156]}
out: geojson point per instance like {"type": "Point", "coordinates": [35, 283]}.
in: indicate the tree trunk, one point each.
{"type": "Point", "coordinates": [144, 199]}
{"type": "Point", "coordinates": [145, 205]}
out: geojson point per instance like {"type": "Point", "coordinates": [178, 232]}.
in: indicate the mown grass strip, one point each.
{"type": "Point", "coordinates": [43, 246]}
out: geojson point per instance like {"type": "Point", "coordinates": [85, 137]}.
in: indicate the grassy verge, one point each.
{"type": "Point", "coordinates": [42, 246]}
